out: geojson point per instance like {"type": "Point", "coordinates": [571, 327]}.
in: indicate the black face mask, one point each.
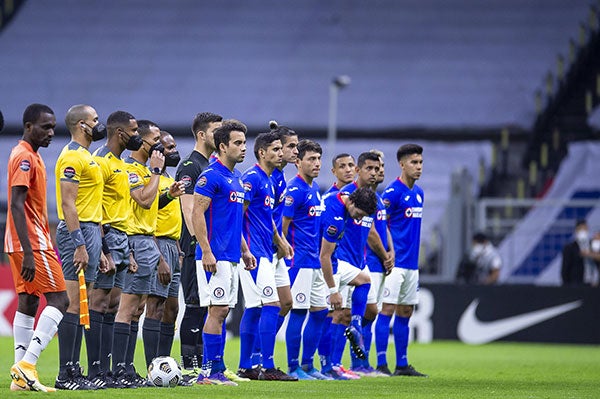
{"type": "Point", "coordinates": [172, 159]}
{"type": "Point", "coordinates": [134, 142]}
{"type": "Point", "coordinates": [98, 131]}
{"type": "Point", "coordinates": [156, 147]}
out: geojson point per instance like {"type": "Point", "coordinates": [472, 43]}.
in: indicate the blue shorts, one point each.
{"type": "Point", "coordinates": [119, 249]}
{"type": "Point", "coordinates": [146, 255]}
{"type": "Point", "coordinates": [66, 249]}
{"type": "Point", "coordinates": [168, 249]}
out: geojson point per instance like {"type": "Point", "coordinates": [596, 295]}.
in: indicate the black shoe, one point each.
{"type": "Point", "coordinates": [252, 373]}
{"type": "Point", "coordinates": [408, 371]}
{"type": "Point", "coordinates": [77, 373]}
{"type": "Point", "coordinates": [139, 381]}
{"type": "Point", "coordinates": [184, 383]}
{"type": "Point", "coordinates": [73, 381]}
{"type": "Point", "coordinates": [121, 378]}
{"type": "Point", "coordinates": [274, 374]}
{"type": "Point", "coordinates": [384, 369]}
{"type": "Point", "coordinates": [111, 382]}
{"type": "Point", "coordinates": [98, 380]}
{"type": "Point", "coordinates": [356, 341]}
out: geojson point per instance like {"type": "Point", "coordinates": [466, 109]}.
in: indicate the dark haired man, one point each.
{"type": "Point", "coordinates": [35, 268]}
{"type": "Point", "coordinates": [404, 205]}
{"type": "Point", "coordinates": [188, 171]}
{"type": "Point", "coordinates": [219, 196]}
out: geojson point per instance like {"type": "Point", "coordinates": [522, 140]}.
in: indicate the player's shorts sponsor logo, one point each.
{"type": "Point", "coordinates": [25, 165]}
{"type": "Point", "coordinates": [219, 292]}
{"type": "Point", "coordinates": [386, 292]}
{"type": "Point", "coordinates": [247, 186]}
{"type": "Point", "coordinates": [289, 200]}
{"type": "Point", "coordinates": [415, 212]}
{"type": "Point", "coordinates": [386, 202]}
{"type": "Point", "coordinates": [69, 172]}
{"type": "Point", "coordinates": [236, 196]}
{"type": "Point", "coordinates": [187, 180]}
{"type": "Point", "coordinates": [332, 230]}
{"type": "Point", "coordinates": [133, 178]}
{"type": "Point", "coordinates": [267, 291]}
{"type": "Point", "coordinates": [201, 181]}
{"type": "Point", "coordinates": [300, 298]}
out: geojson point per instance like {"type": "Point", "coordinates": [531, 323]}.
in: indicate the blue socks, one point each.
{"type": "Point", "coordinates": [212, 352]}
{"type": "Point", "coordinates": [312, 336]}
{"type": "Point", "coordinates": [325, 345]}
{"type": "Point", "coordinates": [367, 339]}
{"type": "Point", "coordinates": [338, 343]}
{"type": "Point", "coordinates": [359, 304]}
{"type": "Point", "coordinates": [401, 340]}
{"type": "Point", "coordinates": [268, 329]}
{"type": "Point", "coordinates": [293, 336]}
{"type": "Point", "coordinates": [382, 336]}
{"type": "Point", "coordinates": [250, 319]}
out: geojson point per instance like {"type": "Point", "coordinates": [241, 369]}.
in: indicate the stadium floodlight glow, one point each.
{"type": "Point", "coordinates": [337, 83]}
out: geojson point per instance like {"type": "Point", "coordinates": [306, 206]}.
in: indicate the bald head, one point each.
{"type": "Point", "coordinates": [77, 113]}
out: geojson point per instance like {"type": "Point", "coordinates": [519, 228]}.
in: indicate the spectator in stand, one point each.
{"type": "Point", "coordinates": [573, 264]}
{"type": "Point", "coordinates": [481, 265]}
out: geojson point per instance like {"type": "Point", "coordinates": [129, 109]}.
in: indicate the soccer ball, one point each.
{"type": "Point", "coordinates": [164, 372]}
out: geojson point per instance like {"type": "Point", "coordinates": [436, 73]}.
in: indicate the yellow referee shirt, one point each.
{"type": "Point", "coordinates": [75, 164]}
{"type": "Point", "coordinates": [169, 221]}
{"type": "Point", "coordinates": [115, 199]}
{"type": "Point", "coordinates": [142, 221]}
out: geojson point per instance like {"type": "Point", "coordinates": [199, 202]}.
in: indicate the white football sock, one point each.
{"type": "Point", "coordinates": [45, 330]}
{"type": "Point", "coordinates": [22, 333]}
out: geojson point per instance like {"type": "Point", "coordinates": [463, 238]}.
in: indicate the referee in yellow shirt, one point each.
{"type": "Point", "coordinates": [78, 192]}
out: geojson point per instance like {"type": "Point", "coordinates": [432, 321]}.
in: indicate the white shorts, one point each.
{"type": "Point", "coordinates": [258, 285]}
{"type": "Point", "coordinates": [346, 272]}
{"type": "Point", "coordinates": [309, 289]}
{"type": "Point", "coordinates": [222, 288]}
{"type": "Point", "coordinates": [282, 277]}
{"type": "Point", "coordinates": [376, 290]}
{"type": "Point", "coordinates": [401, 287]}
{"type": "Point", "coordinates": [346, 292]}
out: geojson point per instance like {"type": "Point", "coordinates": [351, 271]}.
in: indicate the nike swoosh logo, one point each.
{"type": "Point", "coordinates": [474, 331]}
{"type": "Point", "coordinates": [195, 330]}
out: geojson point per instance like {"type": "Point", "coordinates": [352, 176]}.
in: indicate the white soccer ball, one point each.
{"type": "Point", "coordinates": [164, 371]}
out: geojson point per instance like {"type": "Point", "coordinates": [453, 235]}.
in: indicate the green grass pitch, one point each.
{"type": "Point", "coordinates": [456, 370]}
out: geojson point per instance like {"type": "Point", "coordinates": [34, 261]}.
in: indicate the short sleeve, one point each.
{"type": "Point", "coordinates": [291, 201]}
{"type": "Point", "coordinates": [188, 173]}
{"type": "Point", "coordinates": [333, 221]}
{"type": "Point", "coordinates": [388, 199]}
{"type": "Point", "coordinates": [70, 167]}
{"type": "Point", "coordinates": [21, 171]}
{"type": "Point", "coordinates": [207, 184]}
{"type": "Point", "coordinates": [251, 185]}
{"type": "Point", "coordinates": [136, 179]}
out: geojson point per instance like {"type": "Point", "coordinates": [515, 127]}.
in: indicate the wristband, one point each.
{"type": "Point", "coordinates": [333, 290]}
{"type": "Point", "coordinates": [77, 238]}
{"type": "Point", "coordinates": [105, 249]}
{"type": "Point", "coordinates": [169, 197]}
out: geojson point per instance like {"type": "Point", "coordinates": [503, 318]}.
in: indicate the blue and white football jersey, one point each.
{"type": "Point", "coordinates": [258, 218]}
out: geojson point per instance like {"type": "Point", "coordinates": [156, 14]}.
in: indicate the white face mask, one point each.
{"type": "Point", "coordinates": [595, 246]}
{"type": "Point", "coordinates": [582, 235]}
{"type": "Point", "coordinates": [476, 250]}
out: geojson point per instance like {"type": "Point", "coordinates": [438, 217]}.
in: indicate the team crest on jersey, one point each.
{"type": "Point", "coordinates": [300, 298]}
{"type": "Point", "coordinates": [202, 181]}
{"type": "Point", "coordinates": [133, 178]}
{"type": "Point", "coordinates": [332, 231]}
{"type": "Point", "coordinates": [219, 292]}
{"type": "Point", "coordinates": [289, 200]}
{"type": "Point", "coordinates": [69, 172]}
{"type": "Point", "coordinates": [187, 180]}
{"type": "Point", "coordinates": [267, 291]}
{"type": "Point", "coordinates": [247, 186]}
{"type": "Point", "coordinates": [386, 202]}
{"type": "Point", "coordinates": [419, 198]}
{"type": "Point", "coordinates": [269, 202]}
{"type": "Point", "coordinates": [25, 165]}
{"type": "Point", "coordinates": [386, 292]}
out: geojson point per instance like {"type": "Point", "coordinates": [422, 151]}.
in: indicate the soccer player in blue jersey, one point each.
{"type": "Point", "coordinates": [219, 197]}
{"type": "Point", "coordinates": [350, 254]}
{"type": "Point", "coordinates": [301, 225]}
{"type": "Point", "coordinates": [404, 205]}
{"type": "Point", "coordinates": [377, 269]}
{"type": "Point", "coordinates": [258, 285]}
{"type": "Point", "coordinates": [343, 168]}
